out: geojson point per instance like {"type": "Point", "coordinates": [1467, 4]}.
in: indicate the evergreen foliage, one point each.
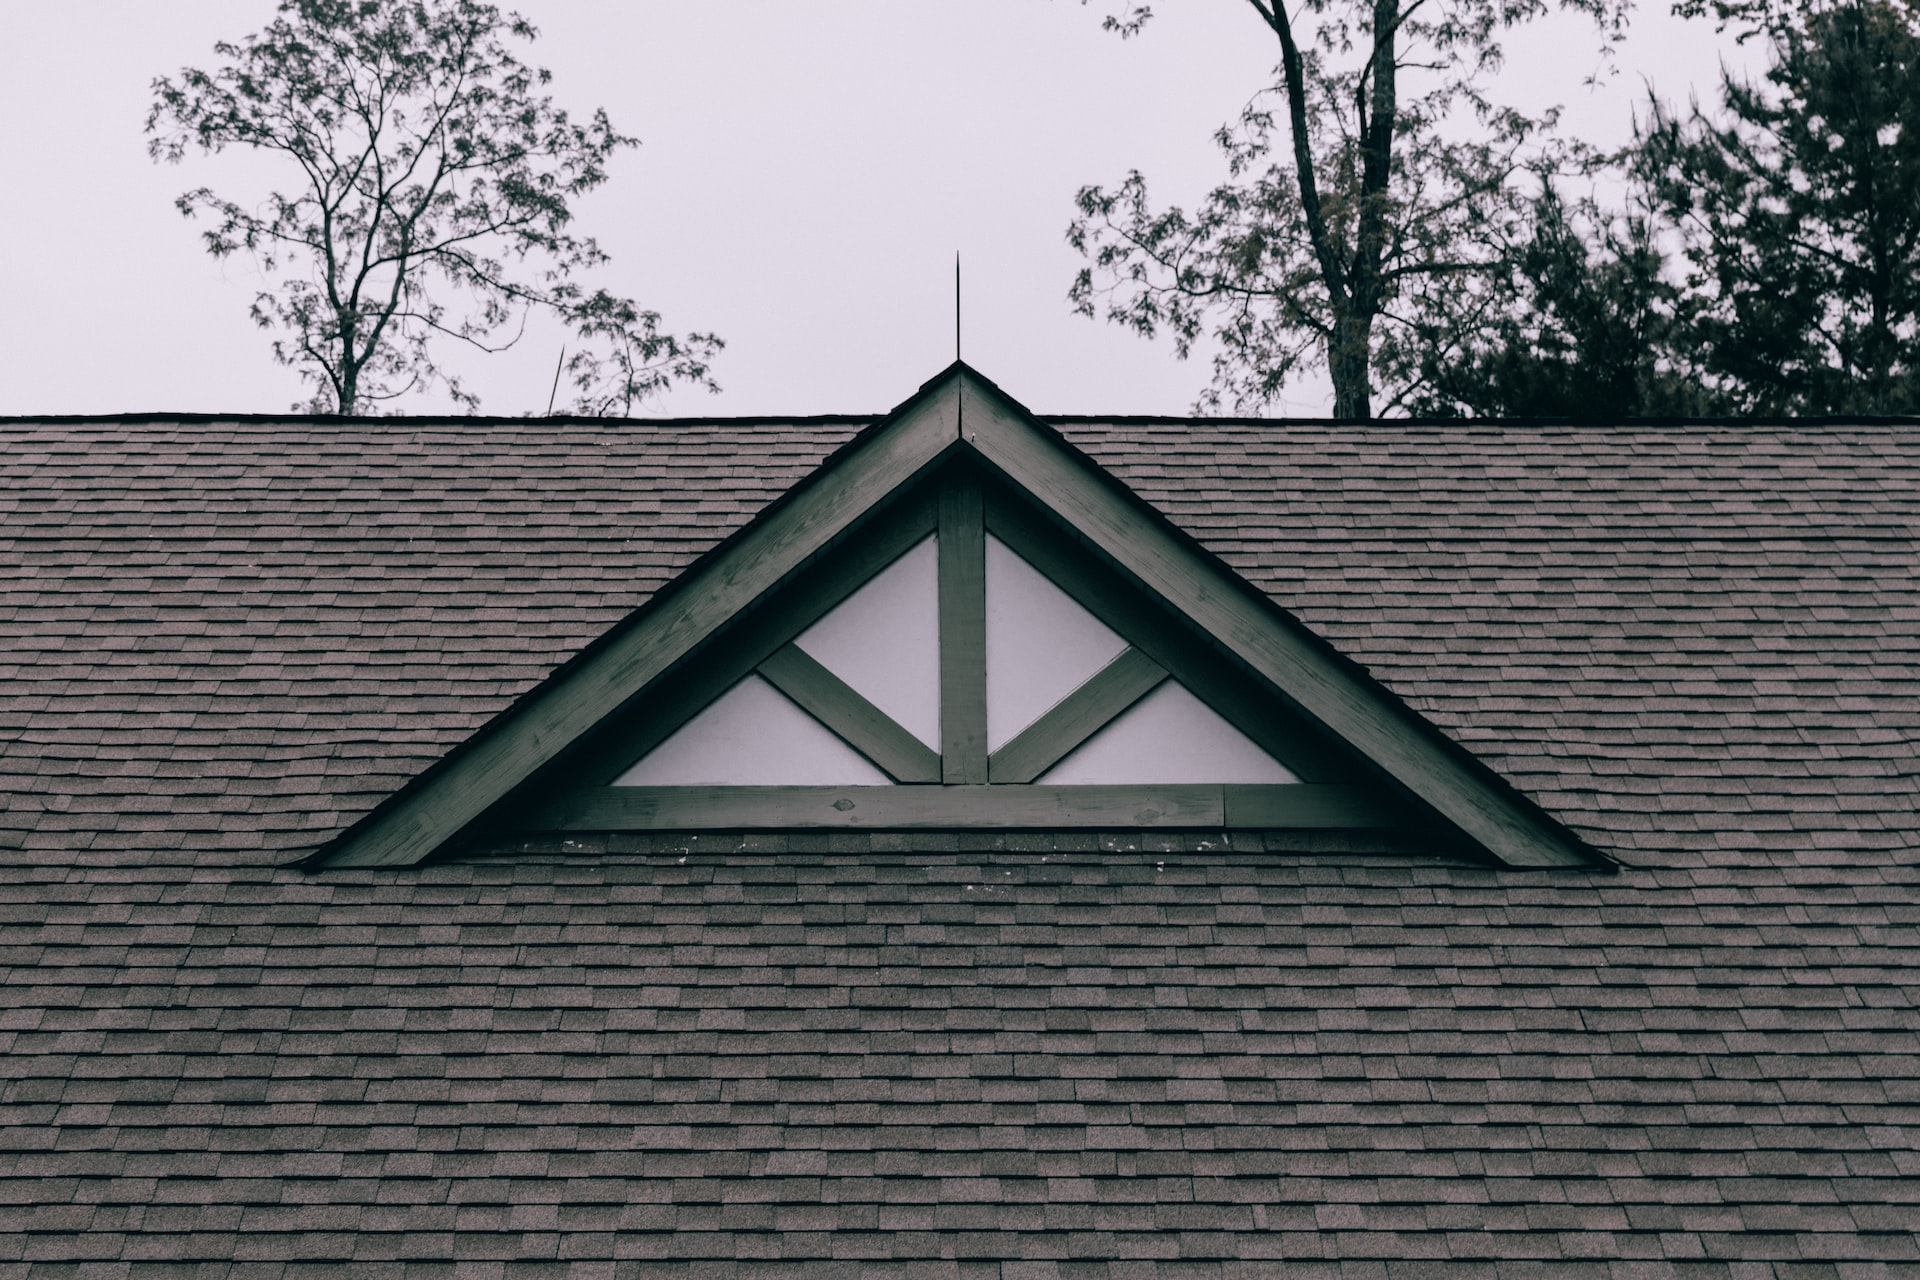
{"type": "Point", "coordinates": [1375, 187]}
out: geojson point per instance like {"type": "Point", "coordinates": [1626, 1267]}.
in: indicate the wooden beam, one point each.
{"type": "Point", "coordinates": [440, 804]}
{"type": "Point", "coordinates": [1356, 710]}
{"type": "Point", "coordinates": [1076, 717]}
{"type": "Point", "coordinates": [901, 808]}
{"type": "Point", "coordinates": [866, 728]}
{"type": "Point", "coordinates": [1311, 754]}
{"type": "Point", "coordinates": [963, 633]}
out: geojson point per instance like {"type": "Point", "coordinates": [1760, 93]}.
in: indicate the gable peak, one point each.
{"type": "Point", "coordinates": [959, 424]}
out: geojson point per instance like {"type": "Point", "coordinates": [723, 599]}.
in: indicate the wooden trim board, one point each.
{"type": "Point", "coordinates": [1037, 748]}
{"type": "Point", "coordinates": [963, 632]}
{"type": "Point", "coordinates": [864, 727]}
{"type": "Point", "coordinates": [1208, 806]}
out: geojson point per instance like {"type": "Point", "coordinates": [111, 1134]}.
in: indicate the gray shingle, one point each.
{"type": "Point", "coordinates": [807, 1057]}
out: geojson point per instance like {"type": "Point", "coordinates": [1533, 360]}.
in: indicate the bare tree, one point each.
{"type": "Point", "coordinates": [432, 201]}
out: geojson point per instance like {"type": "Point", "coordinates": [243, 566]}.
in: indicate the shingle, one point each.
{"type": "Point", "coordinates": [819, 1056]}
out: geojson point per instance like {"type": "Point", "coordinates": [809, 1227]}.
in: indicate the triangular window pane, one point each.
{"type": "Point", "coordinates": [884, 641]}
{"type": "Point", "coordinates": [752, 736]}
{"type": "Point", "coordinates": [1041, 645]}
{"type": "Point", "coordinates": [1168, 736]}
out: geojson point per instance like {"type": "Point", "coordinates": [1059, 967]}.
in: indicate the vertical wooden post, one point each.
{"type": "Point", "coordinates": [963, 633]}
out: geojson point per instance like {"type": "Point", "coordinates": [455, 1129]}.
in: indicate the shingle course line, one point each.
{"type": "Point", "coordinates": [1123, 1046]}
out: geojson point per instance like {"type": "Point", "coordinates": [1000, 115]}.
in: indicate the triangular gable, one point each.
{"type": "Point", "coordinates": [1037, 703]}
{"type": "Point", "coordinates": [745, 651]}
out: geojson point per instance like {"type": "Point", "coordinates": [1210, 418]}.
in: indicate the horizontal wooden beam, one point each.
{"type": "Point", "coordinates": [1077, 717]}
{"type": "Point", "coordinates": [1313, 806]}
{"type": "Point", "coordinates": [837, 705]}
{"type": "Point", "coordinates": [1202, 806]}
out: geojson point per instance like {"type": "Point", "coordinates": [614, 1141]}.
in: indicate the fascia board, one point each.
{"type": "Point", "coordinates": [1333, 691]}
{"type": "Point", "coordinates": [440, 803]}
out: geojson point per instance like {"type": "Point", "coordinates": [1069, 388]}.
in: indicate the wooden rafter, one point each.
{"type": "Point", "coordinates": [1332, 692]}
{"type": "Point", "coordinates": [1128, 678]}
{"type": "Point", "coordinates": [440, 805]}
{"type": "Point", "coordinates": [863, 726]}
{"type": "Point", "coordinates": [728, 656]}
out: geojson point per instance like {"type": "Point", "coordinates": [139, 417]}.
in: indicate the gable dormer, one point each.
{"type": "Point", "coordinates": [958, 622]}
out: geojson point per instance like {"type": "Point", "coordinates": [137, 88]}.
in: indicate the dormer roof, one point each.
{"type": "Point", "coordinates": [1406, 771]}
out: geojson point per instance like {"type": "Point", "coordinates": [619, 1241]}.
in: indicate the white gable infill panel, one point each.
{"type": "Point", "coordinates": [1074, 700]}
{"type": "Point", "coordinates": [884, 641]}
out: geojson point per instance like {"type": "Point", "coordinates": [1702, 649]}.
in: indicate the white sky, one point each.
{"type": "Point", "coordinates": [809, 168]}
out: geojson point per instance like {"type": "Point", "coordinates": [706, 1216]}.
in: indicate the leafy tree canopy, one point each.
{"type": "Point", "coordinates": [1586, 324]}
{"type": "Point", "coordinates": [431, 201]}
{"type": "Point", "coordinates": [1375, 194]}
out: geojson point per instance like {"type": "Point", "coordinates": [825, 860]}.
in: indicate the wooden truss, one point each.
{"type": "Point", "coordinates": [962, 459]}
{"type": "Point", "coordinates": [963, 785]}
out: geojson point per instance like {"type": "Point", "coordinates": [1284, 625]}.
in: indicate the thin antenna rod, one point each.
{"type": "Point", "coordinates": [956, 306]}
{"type": "Point", "coordinates": [556, 379]}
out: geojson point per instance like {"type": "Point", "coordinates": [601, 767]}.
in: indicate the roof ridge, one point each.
{"type": "Point", "coordinates": [453, 420]}
{"type": "Point", "coordinates": [614, 533]}
{"type": "Point", "coordinates": [1157, 419]}
{"type": "Point", "coordinates": [1076, 419]}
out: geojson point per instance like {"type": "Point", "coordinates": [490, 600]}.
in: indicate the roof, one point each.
{"type": "Point", "coordinates": [1694, 643]}
{"type": "Point", "coordinates": [1702, 618]}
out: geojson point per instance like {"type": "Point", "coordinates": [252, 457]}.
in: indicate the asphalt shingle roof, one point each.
{"type": "Point", "coordinates": [1003, 1056]}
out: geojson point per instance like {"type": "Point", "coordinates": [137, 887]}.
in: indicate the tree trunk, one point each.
{"type": "Point", "coordinates": [1347, 360]}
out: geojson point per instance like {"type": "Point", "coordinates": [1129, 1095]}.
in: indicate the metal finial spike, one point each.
{"type": "Point", "coordinates": [956, 306]}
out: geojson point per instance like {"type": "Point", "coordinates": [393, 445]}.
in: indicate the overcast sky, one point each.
{"type": "Point", "coordinates": [808, 169]}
